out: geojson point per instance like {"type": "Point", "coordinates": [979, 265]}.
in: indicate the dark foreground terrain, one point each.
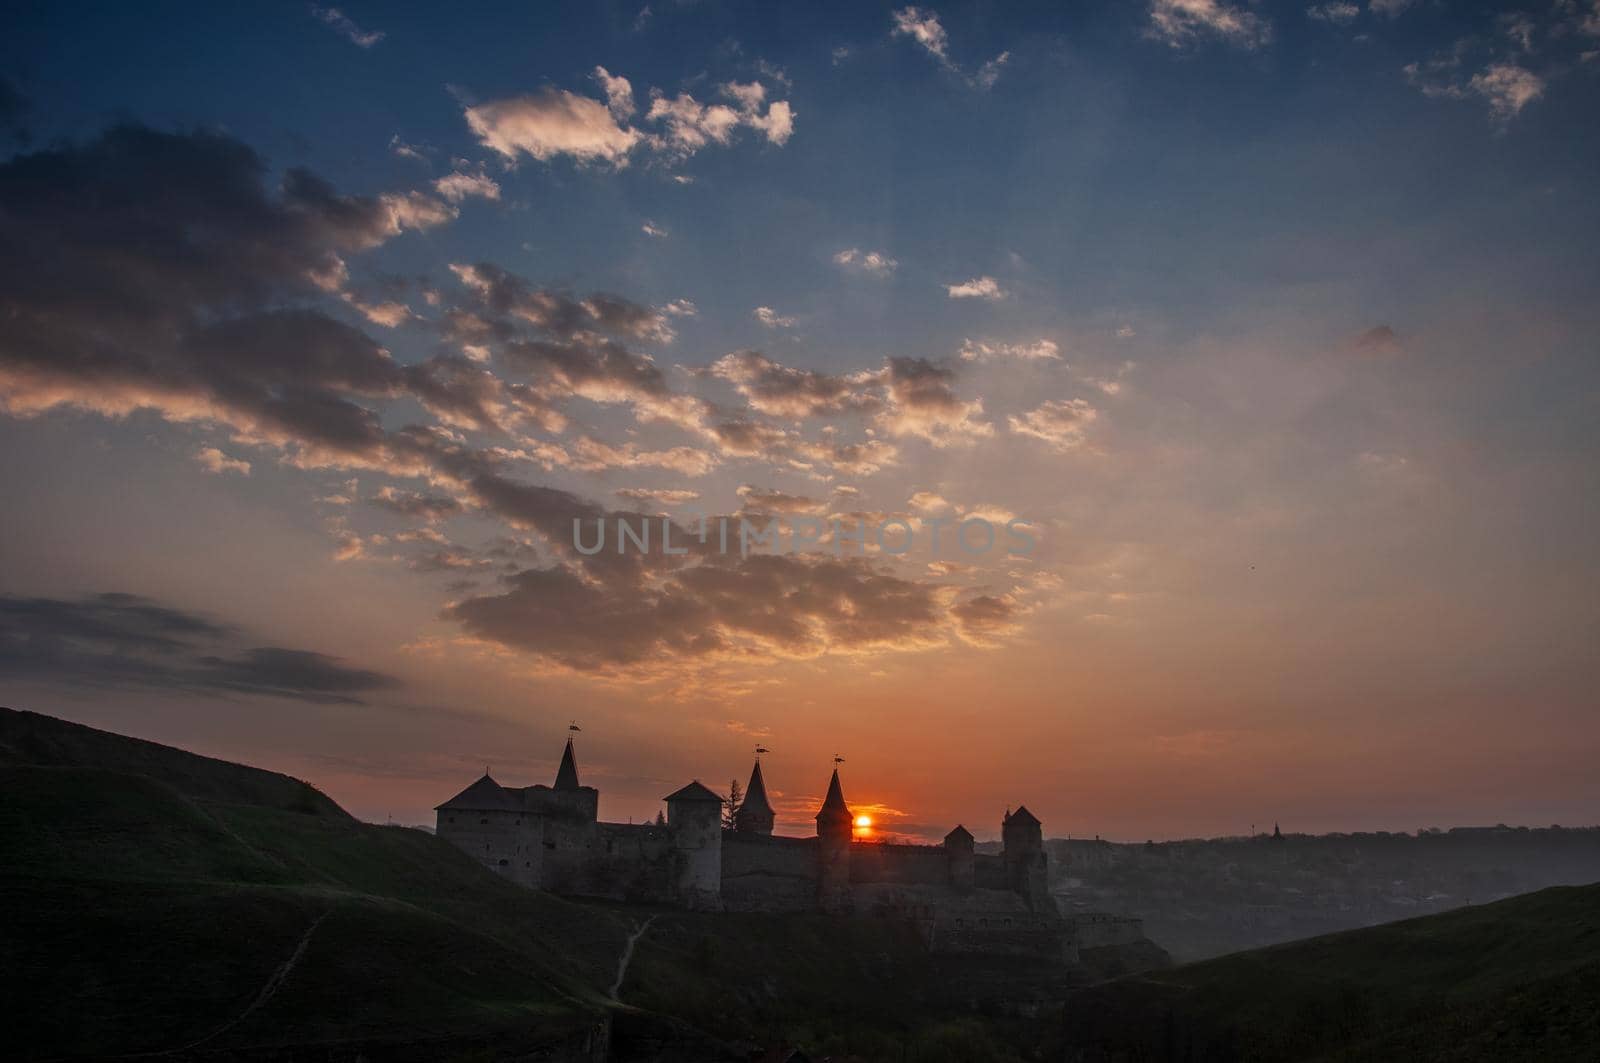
{"type": "Point", "coordinates": [160, 904]}
{"type": "Point", "coordinates": [1517, 979]}
{"type": "Point", "coordinates": [156, 904]}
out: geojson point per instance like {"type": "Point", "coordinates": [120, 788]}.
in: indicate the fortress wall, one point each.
{"type": "Point", "coordinates": [888, 862]}
{"type": "Point", "coordinates": [616, 861]}
{"type": "Point", "coordinates": [989, 872]}
{"type": "Point", "coordinates": [507, 842]}
{"type": "Point", "coordinates": [763, 873]}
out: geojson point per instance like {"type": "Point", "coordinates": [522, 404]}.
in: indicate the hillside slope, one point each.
{"type": "Point", "coordinates": [154, 900]}
{"type": "Point", "coordinates": [1517, 979]}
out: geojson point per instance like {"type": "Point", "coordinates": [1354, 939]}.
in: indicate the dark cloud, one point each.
{"type": "Point", "coordinates": [923, 403]}
{"type": "Point", "coordinates": [762, 605]}
{"type": "Point", "coordinates": [985, 616]}
{"type": "Point", "coordinates": [784, 391]}
{"type": "Point", "coordinates": [158, 270]}
{"type": "Point", "coordinates": [1379, 339]}
{"type": "Point", "coordinates": [121, 640]}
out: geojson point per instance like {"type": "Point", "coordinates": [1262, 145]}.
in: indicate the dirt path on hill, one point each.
{"type": "Point", "coordinates": [268, 990]}
{"type": "Point", "coordinates": [627, 957]}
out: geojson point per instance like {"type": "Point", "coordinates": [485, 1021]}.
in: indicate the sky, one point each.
{"type": "Point", "coordinates": [1261, 336]}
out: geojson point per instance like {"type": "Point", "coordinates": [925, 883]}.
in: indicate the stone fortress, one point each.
{"type": "Point", "coordinates": [551, 838]}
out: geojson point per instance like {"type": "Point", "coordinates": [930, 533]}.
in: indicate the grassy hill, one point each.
{"type": "Point", "coordinates": [1514, 980]}
{"type": "Point", "coordinates": [151, 898]}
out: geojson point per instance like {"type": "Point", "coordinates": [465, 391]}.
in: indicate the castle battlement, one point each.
{"type": "Point", "coordinates": [551, 838]}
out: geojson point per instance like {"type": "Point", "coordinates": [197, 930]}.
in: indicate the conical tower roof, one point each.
{"type": "Point", "coordinates": [755, 795]}
{"type": "Point", "coordinates": [1022, 815]}
{"type": "Point", "coordinates": [834, 810]}
{"type": "Point", "coordinates": [483, 795]}
{"type": "Point", "coordinates": [567, 774]}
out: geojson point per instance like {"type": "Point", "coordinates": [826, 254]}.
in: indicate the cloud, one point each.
{"type": "Point", "coordinates": [977, 288]}
{"type": "Point", "coordinates": [922, 402]}
{"type": "Point", "coordinates": [332, 16]}
{"type": "Point", "coordinates": [667, 496]}
{"type": "Point", "coordinates": [122, 641]}
{"type": "Point", "coordinates": [414, 504]}
{"type": "Point", "coordinates": [552, 122]}
{"type": "Point", "coordinates": [784, 391]}
{"type": "Point", "coordinates": [770, 500]}
{"type": "Point", "coordinates": [1061, 423]}
{"type": "Point", "coordinates": [876, 263]}
{"type": "Point", "coordinates": [1380, 339]}
{"type": "Point", "coordinates": [1337, 12]}
{"type": "Point", "coordinates": [1388, 8]}
{"type": "Point", "coordinates": [772, 319]}
{"type": "Point", "coordinates": [459, 186]}
{"type": "Point", "coordinates": [619, 93]}
{"type": "Point", "coordinates": [984, 351]}
{"type": "Point", "coordinates": [1508, 88]}
{"type": "Point", "coordinates": [758, 608]}
{"type": "Point", "coordinates": [215, 461]}
{"type": "Point", "coordinates": [1182, 22]}
{"type": "Point", "coordinates": [983, 619]}
{"type": "Point", "coordinates": [924, 28]}
{"type": "Point", "coordinates": [650, 228]}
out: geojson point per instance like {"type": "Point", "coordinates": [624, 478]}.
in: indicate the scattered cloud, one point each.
{"type": "Point", "coordinates": [215, 461]}
{"type": "Point", "coordinates": [1061, 423]}
{"type": "Point", "coordinates": [977, 288]}
{"type": "Point", "coordinates": [873, 262]}
{"type": "Point", "coordinates": [772, 319]}
{"type": "Point", "coordinates": [337, 19]}
{"type": "Point", "coordinates": [459, 186]}
{"type": "Point", "coordinates": [1183, 22]}
{"type": "Point", "coordinates": [785, 391]}
{"type": "Point", "coordinates": [922, 402]}
{"type": "Point", "coordinates": [124, 641]}
{"type": "Point", "coordinates": [1337, 12]}
{"type": "Point", "coordinates": [923, 27]}
{"type": "Point", "coordinates": [985, 351]}
{"type": "Point", "coordinates": [552, 122]}
{"type": "Point", "coordinates": [1508, 88]}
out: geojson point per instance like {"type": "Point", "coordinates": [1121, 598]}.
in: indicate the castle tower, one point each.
{"type": "Point", "coordinates": [567, 774]}
{"type": "Point", "coordinates": [755, 815]}
{"type": "Point", "coordinates": [694, 814]}
{"type": "Point", "coordinates": [1024, 855]}
{"type": "Point", "coordinates": [835, 824]}
{"type": "Point", "coordinates": [958, 856]}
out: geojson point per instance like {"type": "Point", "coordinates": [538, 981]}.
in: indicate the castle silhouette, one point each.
{"type": "Point", "coordinates": [551, 838]}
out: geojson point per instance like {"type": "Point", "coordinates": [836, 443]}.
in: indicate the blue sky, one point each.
{"type": "Point", "coordinates": [1277, 320]}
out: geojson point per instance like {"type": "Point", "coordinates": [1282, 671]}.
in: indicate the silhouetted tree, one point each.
{"type": "Point", "coordinates": [731, 806]}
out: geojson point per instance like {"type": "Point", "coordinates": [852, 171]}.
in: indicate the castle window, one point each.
{"type": "Point", "coordinates": [452, 819]}
{"type": "Point", "coordinates": [505, 863]}
{"type": "Point", "coordinates": [484, 822]}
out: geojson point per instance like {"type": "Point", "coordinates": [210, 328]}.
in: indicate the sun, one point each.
{"type": "Point", "coordinates": [863, 822]}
